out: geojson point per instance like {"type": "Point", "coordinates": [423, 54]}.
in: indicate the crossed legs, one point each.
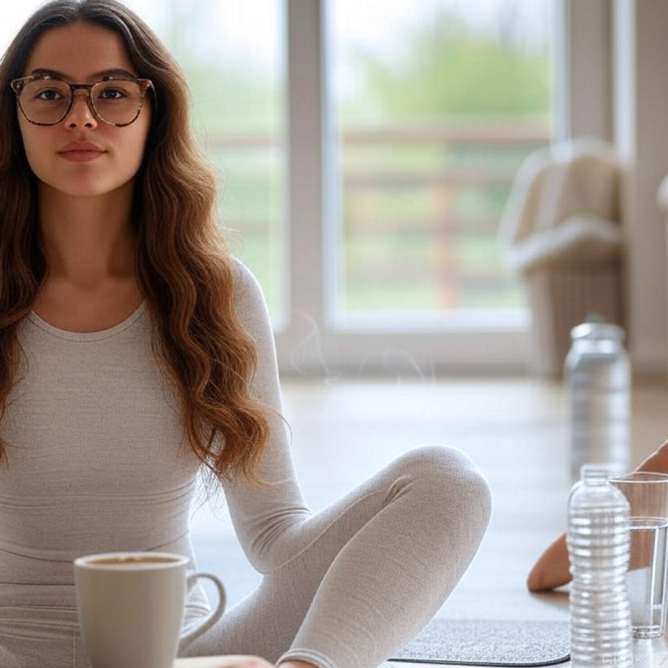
{"type": "Point", "coordinates": [378, 565]}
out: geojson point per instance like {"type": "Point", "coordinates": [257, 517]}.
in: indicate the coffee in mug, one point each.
{"type": "Point", "coordinates": [131, 607]}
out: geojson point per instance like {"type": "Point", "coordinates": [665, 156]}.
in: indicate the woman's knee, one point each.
{"type": "Point", "coordinates": [442, 463]}
{"type": "Point", "coordinates": [449, 479]}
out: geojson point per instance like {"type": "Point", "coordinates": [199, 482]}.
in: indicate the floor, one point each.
{"type": "Point", "coordinates": [514, 429]}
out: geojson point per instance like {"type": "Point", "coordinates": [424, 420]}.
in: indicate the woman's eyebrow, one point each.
{"type": "Point", "coordinates": [95, 75]}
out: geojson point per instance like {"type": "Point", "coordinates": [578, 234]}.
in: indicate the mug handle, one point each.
{"type": "Point", "coordinates": [209, 621]}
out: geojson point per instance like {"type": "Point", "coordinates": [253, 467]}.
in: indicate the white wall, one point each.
{"type": "Point", "coordinates": [583, 55]}
{"type": "Point", "coordinates": [641, 134]}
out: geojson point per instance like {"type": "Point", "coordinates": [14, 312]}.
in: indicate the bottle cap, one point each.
{"type": "Point", "coordinates": [596, 327]}
{"type": "Point", "coordinates": [602, 471]}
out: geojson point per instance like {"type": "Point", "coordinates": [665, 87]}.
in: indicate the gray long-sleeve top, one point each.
{"type": "Point", "coordinates": [96, 459]}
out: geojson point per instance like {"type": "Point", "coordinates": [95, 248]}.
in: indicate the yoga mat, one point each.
{"type": "Point", "coordinates": [485, 642]}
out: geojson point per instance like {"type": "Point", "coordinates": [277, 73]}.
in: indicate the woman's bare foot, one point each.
{"type": "Point", "coordinates": [552, 568]}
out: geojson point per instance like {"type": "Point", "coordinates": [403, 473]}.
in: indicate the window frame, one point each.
{"type": "Point", "coordinates": [310, 342]}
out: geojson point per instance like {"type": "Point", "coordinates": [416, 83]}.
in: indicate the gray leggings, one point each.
{"type": "Point", "coordinates": [373, 569]}
{"type": "Point", "coordinates": [377, 566]}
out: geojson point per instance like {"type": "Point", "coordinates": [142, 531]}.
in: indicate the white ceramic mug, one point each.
{"type": "Point", "coordinates": [131, 607]}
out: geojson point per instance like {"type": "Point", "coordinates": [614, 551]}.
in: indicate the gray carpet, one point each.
{"type": "Point", "coordinates": [490, 643]}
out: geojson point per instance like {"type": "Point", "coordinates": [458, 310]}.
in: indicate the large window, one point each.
{"type": "Point", "coordinates": [437, 102]}
{"type": "Point", "coordinates": [234, 65]}
{"type": "Point", "coordinates": [365, 151]}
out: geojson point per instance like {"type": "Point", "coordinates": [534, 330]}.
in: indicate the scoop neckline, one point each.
{"type": "Point", "coordinates": [88, 336]}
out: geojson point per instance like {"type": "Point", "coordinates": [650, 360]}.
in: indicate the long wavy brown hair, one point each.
{"type": "Point", "coordinates": [183, 268]}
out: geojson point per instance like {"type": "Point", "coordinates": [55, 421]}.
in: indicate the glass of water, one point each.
{"type": "Point", "coordinates": [647, 494]}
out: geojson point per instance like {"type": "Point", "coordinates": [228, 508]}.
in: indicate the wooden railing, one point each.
{"type": "Point", "coordinates": [478, 158]}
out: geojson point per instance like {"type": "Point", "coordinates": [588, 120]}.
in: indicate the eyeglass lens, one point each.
{"type": "Point", "coordinates": [47, 101]}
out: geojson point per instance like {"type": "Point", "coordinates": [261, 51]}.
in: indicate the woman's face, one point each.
{"type": "Point", "coordinates": [83, 53]}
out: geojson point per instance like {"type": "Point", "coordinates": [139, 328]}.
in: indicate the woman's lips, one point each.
{"type": "Point", "coordinates": [80, 156]}
{"type": "Point", "coordinates": [81, 151]}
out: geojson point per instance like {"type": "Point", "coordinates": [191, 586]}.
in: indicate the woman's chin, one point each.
{"type": "Point", "coordinates": [81, 188]}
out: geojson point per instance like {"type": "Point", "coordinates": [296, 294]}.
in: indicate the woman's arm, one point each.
{"type": "Point", "coordinates": [266, 520]}
{"type": "Point", "coordinates": [552, 568]}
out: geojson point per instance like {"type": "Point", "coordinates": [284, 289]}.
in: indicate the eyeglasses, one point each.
{"type": "Point", "coordinates": [47, 100]}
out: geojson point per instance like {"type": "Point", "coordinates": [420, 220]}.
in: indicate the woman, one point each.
{"type": "Point", "coordinates": [553, 568]}
{"type": "Point", "coordinates": [135, 350]}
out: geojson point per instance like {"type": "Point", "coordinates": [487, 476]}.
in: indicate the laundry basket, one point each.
{"type": "Point", "coordinates": [561, 234]}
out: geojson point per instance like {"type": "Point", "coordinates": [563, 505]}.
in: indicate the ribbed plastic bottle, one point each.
{"type": "Point", "coordinates": [598, 378]}
{"type": "Point", "coordinates": [598, 547]}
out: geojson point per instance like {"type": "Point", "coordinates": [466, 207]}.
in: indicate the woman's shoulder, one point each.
{"type": "Point", "coordinates": [244, 279]}
{"type": "Point", "coordinates": [248, 293]}
{"type": "Point", "coordinates": [242, 274]}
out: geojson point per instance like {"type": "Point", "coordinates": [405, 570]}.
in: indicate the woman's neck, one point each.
{"type": "Point", "coordinates": [88, 241]}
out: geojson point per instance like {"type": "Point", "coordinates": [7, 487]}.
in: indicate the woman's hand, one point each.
{"type": "Point", "coordinates": [552, 568]}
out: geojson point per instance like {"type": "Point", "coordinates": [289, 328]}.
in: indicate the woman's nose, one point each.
{"type": "Point", "coordinates": [81, 114]}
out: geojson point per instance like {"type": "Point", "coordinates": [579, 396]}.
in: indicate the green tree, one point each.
{"type": "Point", "coordinates": [452, 66]}
{"type": "Point", "coordinates": [229, 94]}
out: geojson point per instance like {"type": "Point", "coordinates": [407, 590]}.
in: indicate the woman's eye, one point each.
{"type": "Point", "coordinates": [112, 94]}
{"type": "Point", "coordinates": [49, 94]}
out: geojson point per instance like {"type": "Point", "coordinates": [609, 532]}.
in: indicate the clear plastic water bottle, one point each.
{"type": "Point", "coordinates": [598, 377]}
{"type": "Point", "coordinates": [598, 547]}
